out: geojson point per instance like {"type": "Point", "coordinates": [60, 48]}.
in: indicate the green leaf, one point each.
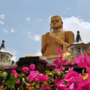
{"type": "Point", "coordinates": [54, 72]}
{"type": "Point", "coordinates": [20, 81]}
{"type": "Point", "coordinates": [1, 68]}
{"type": "Point", "coordinates": [11, 81]}
{"type": "Point", "coordinates": [50, 74]}
{"type": "Point", "coordinates": [1, 79]}
{"type": "Point", "coordinates": [8, 76]}
{"type": "Point", "coordinates": [45, 82]}
{"type": "Point", "coordinates": [83, 71]}
{"type": "Point", "coordinates": [4, 74]}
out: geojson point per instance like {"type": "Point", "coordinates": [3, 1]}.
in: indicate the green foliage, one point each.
{"type": "Point", "coordinates": [1, 69]}
{"type": "Point", "coordinates": [45, 82]}
{"type": "Point", "coordinates": [11, 81]}
{"type": "Point", "coordinates": [1, 79]}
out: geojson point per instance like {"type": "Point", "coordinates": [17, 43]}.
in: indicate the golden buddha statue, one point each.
{"type": "Point", "coordinates": [56, 38]}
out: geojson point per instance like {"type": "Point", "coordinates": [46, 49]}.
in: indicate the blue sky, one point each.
{"type": "Point", "coordinates": [22, 22]}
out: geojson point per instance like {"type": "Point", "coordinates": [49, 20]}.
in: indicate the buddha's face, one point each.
{"type": "Point", "coordinates": [56, 22]}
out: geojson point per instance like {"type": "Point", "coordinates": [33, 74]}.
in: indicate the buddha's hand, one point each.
{"type": "Point", "coordinates": [59, 41]}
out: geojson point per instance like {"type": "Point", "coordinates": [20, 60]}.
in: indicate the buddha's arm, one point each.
{"type": "Point", "coordinates": [69, 39]}
{"type": "Point", "coordinates": [64, 44]}
{"type": "Point", "coordinates": [44, 43]}
{"type": "Point", "coordinates": [61, 42]}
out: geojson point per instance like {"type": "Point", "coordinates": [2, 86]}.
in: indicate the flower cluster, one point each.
{"type": "Point", "coordinates": [60, 78]}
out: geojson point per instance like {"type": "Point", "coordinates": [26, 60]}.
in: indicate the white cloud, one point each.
{"type": "Point", "coordinates": [14, 58]}
{"type": "Point", "coordinates": [34, 37]}
{"type": "Point", "coordinates": [39, 53]}
{"type": "Point", "coordinates": [28, 19]}
{"type": "Point", "coordinates": [76, 24]}
{"type": "Point", "coordinates": [1, 22]}
{"type": "Point", "coordinates": [38, 19]}
{"type": "Point", "coordinates": [14, 53]}
{"type": "Point", "coordinates": [2, 16]}
{"type": "Point", "coordinates": [12, 30]}
{"type": "Point", "coordinates": [5, 30]}
{"type": "Point", "coordinates": [8, 31]}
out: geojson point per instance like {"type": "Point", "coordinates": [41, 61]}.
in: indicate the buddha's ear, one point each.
{"type": "Point", "coordinates": [62, 22]}
{"type": "Point", "coordinates": [62, 25]}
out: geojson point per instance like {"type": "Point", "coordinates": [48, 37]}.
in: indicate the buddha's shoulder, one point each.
{"type": "Point", "coordinates": [47, 33]}
{"type": "Point", "coordinates": [67, 31]}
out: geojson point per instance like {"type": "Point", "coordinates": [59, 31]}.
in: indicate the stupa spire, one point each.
{"type": "Point", "coordinates": [3, 44]}
{"type": "Point", "coordinates": [78, 37]}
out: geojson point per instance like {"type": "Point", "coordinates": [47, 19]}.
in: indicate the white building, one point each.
{"type": "Point", "coordinates": [78, 47]}
{"type": "Point", "coordinates": [5, 56]}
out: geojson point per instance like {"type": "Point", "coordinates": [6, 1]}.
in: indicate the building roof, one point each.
{"type": "Point", "coordinates": [78, 40]}
{"type": "Point", "coordinates": [2, 48]}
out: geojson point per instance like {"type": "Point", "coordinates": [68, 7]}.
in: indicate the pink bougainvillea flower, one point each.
{"type": "Point", "coordinates": [61, 60]}
{"type": "Point", "coordinates": [89, 46]}
{"type": "Point", "coordinates": [83, 62]}
{"type": "Point", "coordinates": [57, 69]}
{"type": "Point", "coordinates": [33, 76]}
{"type": "Point", "coordinates": [1, 86]}
{"type": "Point", "coordinates": [25, 69]}
{"type": "Point", "coordinates": [60, 84]}
{"type": "Point", "coordinates": [72, 74]}
{"type": "Point", "coordinates": [71, 68]}
{"type": "Point", "coordinates": [71, 62]}
{"type": "Point", "coordinates": [85, 53]}
{"type": "Point", "coordinates": [60, 57]}
{"type": "Point", "coordinates": [88, 69]}
{"type": "Point", "coordinates": [56, 80]}
{"type": "Point", "coordinates": [42, 77]}
{"type": "Point", "coordinates": [45, 87]}
{"type": "Point", "coordinates": [85, 84]}
{"type": "Point", "coordinates": [56, 62]}
{"type": "Point", "coordinates": [73, 78]}
{"type": "Point", "coordinates": [62, 68]}
{"type": "Point", "coordinates": [59, 50]}
{"type": "Point", "coordinates": [64, 62]}
{"type": "Point", "coordinates": [14, 73]}
{"type": "Point", "coordinates": [32, 66]}
{"type": "Point", "coordinates": [18, 81]}
{"type": "Point", "coordinates": [80, 61]}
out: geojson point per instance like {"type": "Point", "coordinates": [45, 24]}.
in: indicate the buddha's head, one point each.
{"type": "Point", "coordinates": [56, 22]}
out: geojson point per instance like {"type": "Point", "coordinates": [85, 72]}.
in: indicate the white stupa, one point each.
{"type": "Point", "coordinates": [78, 47]}
{"type": "Point", "coordinates": [5, 56]}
